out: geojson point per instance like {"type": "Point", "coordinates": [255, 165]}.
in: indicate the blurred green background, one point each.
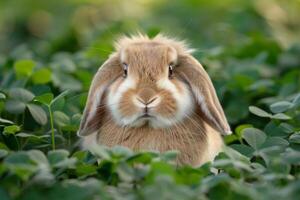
{"type": "Point", "coordinates": [71, 25]}
{"type": "Point", "coordinates": [50, 50]}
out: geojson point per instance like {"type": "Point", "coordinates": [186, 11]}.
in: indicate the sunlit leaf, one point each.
{"type": "Point", "coordinates": [5, 121]}
{"type": "Point", "coordinates": [2, 96]}
{"type": "Point", "coordinates": [41, 76]}
{"type": "Point", "coordinates": [24, 67]}
{"type": "Point", "coordinates": [11, 129]}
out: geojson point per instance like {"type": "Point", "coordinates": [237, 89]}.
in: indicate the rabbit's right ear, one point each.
{"type": "Point", "coordinates": [192, 72]}
{"type": "Point", "coordinates": [106, 74]}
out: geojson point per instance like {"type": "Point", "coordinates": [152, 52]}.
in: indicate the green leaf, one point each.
{"type": "Point", "coordinates": [295, 138]}
{"type": "Point", "coordinates": [59, 97]}
{"type": "Point", "coordinates": [57, 156]}
{"type": "Point", "coordinates": [120, 151]}
{"type": "Point", "coordinates": [259, 112]}
{"type": "Point", "coordinates": [66, 82]}
{"type": "Point", "coordinates": [281, 106]}
{"type": "Point", "coordinates": [86, 170]}
{"type": "Point", "coordinates": [20, 164]}
{"type": "Point", "coordinates": [32, 136]}
{"type": "Point", "coordinates": [11, 129]}
{"type": "Point", "coordinates": [240, 128]}
{"type": "Point", "coordinates": [281, 116]}
{"type": "Point", "coordinates": [292, 156]}
{"type": "Point", "coordinates": [38, 157]}
{"type": "Point", "coordinates": [169, 155]}
{"type": "Point", "coordinates": [26, 135]}
{"type": "Point", "coordinates": [2, 96]}
{"type": "Point", "coordinates": [243, 149]}
{"type": "Point", "coordinates": [20, 157]}
{"type": "Point", "coordinates": [3, 153]}
{"type": "Point", "coordinates": [296, 101]}
{"type": "Point", "coordinates": [38, 114]}
{"type": "Point", "coordinates": [287, 128]}
{"type": "Point", "coordinates": [76, 118]}
{"type": "Point", "coordinates": [15, 106]}
{"type": "Point", "coordinates": [254, 137]}
{"type": "Point", "coordinates": [24, 68]}
{"type": "Point", "coordinates": [45, 98]}
{"type": "Point", "coordinates": [21, 94]}
{"type": "Point", "coordinates": [275, 141]}
{"type": "Point", "coordinates": [144, 157]}
{"type": "Point", "coordinates": [5, 121]}
{"type": "Point", "coordinates": [60, 118]}
{"type": "Point", "coordinates": [41, 76]}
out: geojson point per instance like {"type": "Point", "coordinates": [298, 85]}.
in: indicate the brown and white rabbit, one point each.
{"type": "Point", "coordinates": [152, 94]}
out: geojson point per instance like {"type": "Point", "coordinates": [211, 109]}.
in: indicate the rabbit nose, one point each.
{"type": "Point", "coordinates": [146, 95]}
{"type": "Point", "coordinates": [146, 98]}
{"type": "Point", "coordinates": [147, 103]}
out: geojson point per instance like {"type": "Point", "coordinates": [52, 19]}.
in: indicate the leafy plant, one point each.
{"type": "Point", "coordinates": [48, 57]}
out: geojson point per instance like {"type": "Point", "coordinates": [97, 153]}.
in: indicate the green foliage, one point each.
{"type": "Point", "coordinates": [48, 57]}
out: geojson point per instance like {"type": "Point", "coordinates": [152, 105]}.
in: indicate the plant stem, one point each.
{"type": "Point", "coordinates": [18, 144]}
{"type": "Point", "coordinates": [52, 128]}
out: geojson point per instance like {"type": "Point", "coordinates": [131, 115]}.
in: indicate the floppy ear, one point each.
{"type": "Point", "coordinates": [106, 74]}
{"type": "Point", "coordinates": [192, 72]}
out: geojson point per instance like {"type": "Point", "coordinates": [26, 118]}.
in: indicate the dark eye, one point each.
{"type": "Point", "coordinates": [125, 69]}
{"type": "Point", "coordinates": [171, 66]}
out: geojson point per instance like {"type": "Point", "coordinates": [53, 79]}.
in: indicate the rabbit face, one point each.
{"type": "Point", "coordinates": [154, 82]}
{"type": "Point", "coordinates": [149, 93]}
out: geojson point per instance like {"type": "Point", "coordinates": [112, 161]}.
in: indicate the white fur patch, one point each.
{"type": "Point", "coordinates": [114, 98]}
{"type": "Point", "coordinates": [184, 102]}
{"type": "Point", "coordinates": [89, 141]}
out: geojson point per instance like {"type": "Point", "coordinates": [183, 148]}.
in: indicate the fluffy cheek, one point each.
{"type": "Point", "coordinates": [119, 101]}
{"type": "Point", "coordinates": [168, 106]}
{"type": "Point", "coordinates": [127, 108]}
{"type": "Point", "coordinates": [177, 104]}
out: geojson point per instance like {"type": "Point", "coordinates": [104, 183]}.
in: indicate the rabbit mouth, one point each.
{"type": "Point", "coordinates": [146, 116]}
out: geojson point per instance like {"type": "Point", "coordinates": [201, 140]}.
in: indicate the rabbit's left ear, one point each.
{"type": "Point", "coordinates": [192, 72]}
{"type": "Point", "coordinates": [92, 114]}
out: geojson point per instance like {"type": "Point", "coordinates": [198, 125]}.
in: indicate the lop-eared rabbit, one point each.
{"type": "Point", "coordinates": [152, 94]}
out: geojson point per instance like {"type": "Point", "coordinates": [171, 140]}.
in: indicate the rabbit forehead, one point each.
{"type": "Point", "coordinates": [148, 59]}
{"type": "Point", "coordinates": [147, 53]}
{"type": "Point", "coordinates": [180, 46]}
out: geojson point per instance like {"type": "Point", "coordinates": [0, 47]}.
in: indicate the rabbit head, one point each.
{"type": "Point", "coordinates": [151, 82]}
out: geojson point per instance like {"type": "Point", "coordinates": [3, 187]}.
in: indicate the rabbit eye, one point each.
{"type": "Point", "coordinates": [125, 69]}
{"type": "Point", "coordinates": [171, 66]}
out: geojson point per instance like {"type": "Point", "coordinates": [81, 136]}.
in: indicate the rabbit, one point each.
{"type": "Point", "coordinates": [152, 94]}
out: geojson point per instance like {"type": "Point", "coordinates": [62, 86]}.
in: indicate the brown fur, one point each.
{"type": "Point", "coordinates": [196, 136]}
{"type": "Point", "coordinates": [188, 137]}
